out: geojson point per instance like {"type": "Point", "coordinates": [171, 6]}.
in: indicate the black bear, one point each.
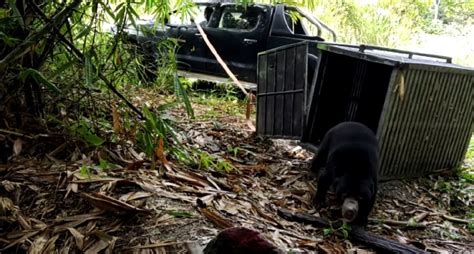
{"type": "Point", "coordinates": [348, 161]}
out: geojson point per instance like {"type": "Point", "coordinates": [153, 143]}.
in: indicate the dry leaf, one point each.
{"type": "Point", "coordinates": [163, 193]}
{"type": "Point", "coordinates": [74, 187]}
{"type": "Point", "coordinates": [181, 178]}
{"type": "Point", "coordinates": [117, 125]}
{"type": "Point", "coordinates": [111, 247]}
{"type": "Point", "coordinates": [74, 221]}
{"type": "Point", "coordinates": [420, 216]}
{"type": "Point", "coordinates": [264, 215]}
{"type": "Point", "coordinates": [50, 246]}
{"type": "Point", "coordinates": [206, 200]}
{"type": "Point", "coordinates": [81, 217]}
{"type": "Point", "coordinates": [38, 244]}
{"type": "Point", "coordinates": [7, 206]}
{"type": "Point", "coordinates": [17, 145]}
{"type": "Point", "coordinates": [78, 238]}
{"type": "Point", "coordinates": [107, 203]}
{"type": "Point", "coordinates": [217, 219]}
{"type": "Point", "coordinates": [19, 240]}
{"type": "Point", "coordinates": [97, 247]}
{"type": "Point", "coordinates": [37, 224]}
{"type": "Point", "coordinates": [10, 186]}
{"type": "Point", "coordinates": [134, 196]}
{"type": "Point", "coordinates": [135, 165]}
{"type": "Point", "coordinates": [25, 223]}
{"type": "Point", "coordinates": [160, 151]}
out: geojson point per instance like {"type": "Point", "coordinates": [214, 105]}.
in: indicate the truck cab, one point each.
{"type": "Point", "coordinates": [238, 33]}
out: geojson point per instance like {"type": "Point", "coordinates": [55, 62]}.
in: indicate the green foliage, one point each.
{"type": "Point", "coordinates": [344, 229]}
{"type": "Point", "coordinates": [79, 61]}
{"type": "Point", "coordinates": [83, 129]}
{"type": "Point", "coordinates": [459, 11]}
{"type": "Point", "coordinates": [470, 227]}
{"type": "Point", "coordinates": [328, 231]}
{"type": "Point", "coordinates": [223, 98]}
{"type": "Point", "coordinates": [105, 165]}
{"type": "Point", "coordinates": [206, 161]}
{"type": "Point", "coordinates": [181, 92]}
{"type": "Point", "coordinates": [467, 175]}
{"type": "Point", "coordinates": [385, 22]}
{"type": "Point", "coordinates": [381, 22]}
{"type": "Point", "coordinates": [389, 23]}
{"type": "Point", "coordinates": [38, 77]}
{"type": "Point", "coordinates": [180, 214]}
{"type": "Point", "coordinates": [85, 171]}
{"type": "Point", "coordinates": [233, 150]}
{"type": "Point", "coordinates": [154, 129]}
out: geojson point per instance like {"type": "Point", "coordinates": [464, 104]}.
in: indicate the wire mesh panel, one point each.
{"type": "Point", "coordinates": [281, 83]}
{"type": "Point", "coordinates": [427, 126]}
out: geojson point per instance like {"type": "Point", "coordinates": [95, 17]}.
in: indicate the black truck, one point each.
{"type": "Point", "coordinates": [237, 32]}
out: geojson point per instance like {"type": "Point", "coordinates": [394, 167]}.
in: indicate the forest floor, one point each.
{"type": "Point", "coordinates": [47, 204]}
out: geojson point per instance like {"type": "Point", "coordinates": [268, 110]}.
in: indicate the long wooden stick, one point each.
{"type": "Point", "coordinates": [229, 72]}
{"type": "Point", "coordinates": [219, 59]}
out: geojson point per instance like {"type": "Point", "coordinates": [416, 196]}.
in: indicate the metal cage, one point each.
{"type": "Point", "coordinates": [420, 106]}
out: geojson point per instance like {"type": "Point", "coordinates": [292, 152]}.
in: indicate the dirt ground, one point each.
{"type": "Point", "coordinates": [49, 205]}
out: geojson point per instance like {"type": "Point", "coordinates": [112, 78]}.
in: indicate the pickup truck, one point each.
{"type": "Point", "coordinates": [238, 33]}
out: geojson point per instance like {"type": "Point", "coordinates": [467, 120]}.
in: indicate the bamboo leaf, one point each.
{"type": "Point", "coordinates": [16, 13]}
{"type": "Point", "coordinates": [93, 139]}
{"type": "Point", "coordinates": [9, 41]}
{"type": "Point", "coordinates": [107, 9]}
{"type": "Point", "coordinates": [88, 70]}
{"type": "Point", "coordinates": [38, 77]}
{"type": "Point", "coordinates": [181, 92]}
{"type": "Point", "coordinates": [63, 67]}
{"type": "Point", "coordinates": [120, 18]}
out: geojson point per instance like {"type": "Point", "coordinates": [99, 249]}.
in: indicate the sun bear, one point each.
{"type": "Point", "coordinates": [347, 162]}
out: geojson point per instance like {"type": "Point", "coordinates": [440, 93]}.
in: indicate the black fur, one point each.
{"type": "Point", "coordinates": [349, 159]}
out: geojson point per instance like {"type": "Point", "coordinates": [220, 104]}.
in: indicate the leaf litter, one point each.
{"type": "Point", "coordinates": [46, 205]}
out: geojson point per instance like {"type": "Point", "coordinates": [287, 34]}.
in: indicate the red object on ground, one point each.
{"type": "Point", "coordinates": [240, 240]}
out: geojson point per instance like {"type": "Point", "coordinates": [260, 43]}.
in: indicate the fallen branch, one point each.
{"type": "Point", "coordinates": [37, 136]}
{"type": "Point", "coordinates": [454, 219]}
{"type": "Point", "coordinates": [16, 134]}
{"type": "Point", "coordinates": [405, 224]}
{"type": "Point", "coordinates": [357, 234]}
